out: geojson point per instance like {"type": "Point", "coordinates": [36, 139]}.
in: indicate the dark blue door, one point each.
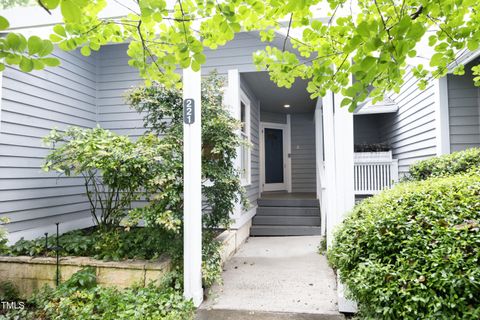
{"type": "Point", "coordinates": [273, 156]}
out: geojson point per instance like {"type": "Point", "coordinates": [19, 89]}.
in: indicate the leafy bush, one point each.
{"type": "Point", "coordinates": [114, 168]}
{"type": "Point", "coordinates": [81, 299]}
{"type": "Point", "coordinates": [163, 110]}
{"type": "Point", "coordinates": [112, 244]}
{"type": "Point", "coordinates": [449, 164]}
{"type": "Point", "coordinates": [3, 236]}
{"type": "Point", "coordinates": [413, 252]}
{"type": "Point", "coordinates": [212, 260]}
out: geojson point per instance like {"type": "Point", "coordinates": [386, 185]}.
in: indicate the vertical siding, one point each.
{"type": "Point", "coordinates": [33, 104]}
{"type": "Point", "coordinates": [411, 131]}
{"type": "Point", "coordinates": [464, 111]}
{"type": "Point", "coordinates": [303, 152]}
{"type": "Point", "coordinates": [253, 189]}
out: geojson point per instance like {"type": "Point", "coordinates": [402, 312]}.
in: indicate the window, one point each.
{"type": "Point", "coordinates": [245, 149]}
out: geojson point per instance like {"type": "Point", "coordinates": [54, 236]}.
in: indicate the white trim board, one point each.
{"type": "Point", "coordinates": [286, 128]}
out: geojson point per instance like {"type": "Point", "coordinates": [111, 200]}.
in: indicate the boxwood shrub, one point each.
{"type": "Point", "coordinates": [413, 252]}
{"type": "Point", "coordinates": [449, 164]}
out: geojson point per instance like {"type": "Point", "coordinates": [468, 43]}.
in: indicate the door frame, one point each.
{"type": "Point", "coordinates": [287, 161]}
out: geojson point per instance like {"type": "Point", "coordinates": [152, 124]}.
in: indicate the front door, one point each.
{"type": "Point", "coordinates": [274, 159]}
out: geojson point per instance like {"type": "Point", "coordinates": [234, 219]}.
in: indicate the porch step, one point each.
{"type": "Point", "coordinates": [266, 202]}
{"type": "Point", "coordinates": [288, 211]}
{"type": "Point", "coordinates": [269, 230]}
{"type": "Point", "coordinates": [285, 220]}
{"type": "Point", "coordinates": [216, 314]}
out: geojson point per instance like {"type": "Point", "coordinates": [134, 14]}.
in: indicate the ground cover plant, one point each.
{"type": "Point", "coordinates": [413, 252]}
{"type": "Point", "coordinates": [80, 298]}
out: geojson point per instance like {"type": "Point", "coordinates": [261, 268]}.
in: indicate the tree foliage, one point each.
{"type": "Point", "coordinates": [369, 41]}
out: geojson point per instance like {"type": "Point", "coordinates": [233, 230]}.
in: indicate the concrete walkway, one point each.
{"type": "Point", "coordinates": [275, 278]}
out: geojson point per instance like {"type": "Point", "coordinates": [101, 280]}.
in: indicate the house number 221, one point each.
{"type": "Point", "coordinates": [189, 111]}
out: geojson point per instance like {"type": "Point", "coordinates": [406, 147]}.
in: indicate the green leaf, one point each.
{"type": "Point", "coordinates": [16, 41]}
{"type": "Point", "coordinates": [47, 48]}
{"type": "Point", "coordinates": [345, 102]}
{"type": "Point", "coordinates": [51, 62]}
{"type": "Point", "coordinates": [60, 30]}
{"type": "Point", "coordinates": [200, 58]}
{"type": "Point", "coordinates": [85, 51]}
{"type": "Point", "coordinates": [70, 11]}
{"type": "Point", "coordinates": [50, 4]}
{"type": "Point", "coordinates": [2, 67]}
{"type": "Point", "coordinates": [35, 45]}
{"type": "Point", "coordinates": [26, 64]}
{"type": "Point", "coordinates": [4, 24]}
{"type": "Point", "coordinates": [472, 44]}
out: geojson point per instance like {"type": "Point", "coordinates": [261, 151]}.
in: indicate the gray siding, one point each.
{"type": "Point", "coordinates": [84, 92]}
{"type": "Point", "coordinates": [115, 77]}
{"type": "Point", "coordinates": [253, 189]}
{"type": "Point", "coordinates": [273, 117]}
{"type": "Point", "coordinates": [464, 111]}
{"type": "Point", "coordinates": [303, 152]}
{"type": "Point", "coordinates": [33, 104]}
{"type": "Point", "coordinates": [411, 131]}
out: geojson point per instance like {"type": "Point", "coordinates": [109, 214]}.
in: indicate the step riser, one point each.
{"type": "Point", "coordinates": [287, 203]}
{"type": "Point", "coordinates": [203, 314]}
{"type": "Point", "coordinates": [286, 220]}
{"type": "Point", "coordinates": [288, 211]}
{"type": "Point", "coordinates": [284, 231]}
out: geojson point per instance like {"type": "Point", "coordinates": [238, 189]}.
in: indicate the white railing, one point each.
{"type": "Point", "coordinates": [372, 175]}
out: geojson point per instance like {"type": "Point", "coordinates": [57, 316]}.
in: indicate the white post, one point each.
{"type": "Point", "coordinates": [441, 116]}
{"type": "Point", "coordinates": [192, 192]}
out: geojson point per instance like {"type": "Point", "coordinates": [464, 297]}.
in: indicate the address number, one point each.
{"type": "Point", "coordinates": [189, 111]}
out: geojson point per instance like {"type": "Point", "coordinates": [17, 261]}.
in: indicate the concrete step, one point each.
{"type": "Point", "coordinates": [287, 220]}
{"type": "Point", "coordinates": [288, 211]}
{"type": "Point", "coordinates": [269, 230]}
{"type": "Point", "coordinates": [214, 314]}
{"type": "Point", "coordinates": [265, 202]}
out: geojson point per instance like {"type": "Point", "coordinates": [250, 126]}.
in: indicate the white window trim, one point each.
{"type": "Point", "coordinates": [246, 101]}
{"type": "Point", "coordinates": [1, 99]}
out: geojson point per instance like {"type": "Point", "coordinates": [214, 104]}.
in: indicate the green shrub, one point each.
{"type": "Point", "coordinates": [449, 164]}
{"type": "Point", "coordinates": [81, 299]}
{"type": "Point", "coordinates": [115, 169]}
{"type": "Point", "coordinates": [413, 252]}
{"type": "Point", "coordinates": [3, 236]}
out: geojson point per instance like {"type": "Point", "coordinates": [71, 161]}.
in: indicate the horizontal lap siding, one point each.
{"type": "Point", "coordinates": [303, 152]}
{"type": "Point", "coordinates": [33, 104]}
{"type": "Point", "coordinates": [411, 131]}
{"type": "Point", "coordinates": [464, 111]}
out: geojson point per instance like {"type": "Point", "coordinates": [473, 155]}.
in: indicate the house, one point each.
{"type": "Point", "coordinates": [301, 173]}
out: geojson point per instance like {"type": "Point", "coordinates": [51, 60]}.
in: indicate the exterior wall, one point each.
{"type": "Point", "coordinates": [412, 130]}
{"type": "Point", "coordinates": [84, 92]}
{"type": "Point", "coordinates": [253, 189]}
{"type": "Point", "coordinates": [303, 153]}
{"type": "Point", "coordinates": [33, 104]}
{"type": "Point", "coordinates": [464, 111]}
{"type": "Point", "coordinates": [273, 117]}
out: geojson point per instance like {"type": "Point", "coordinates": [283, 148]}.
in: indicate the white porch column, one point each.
{"type": "Point", "coordinates": [192, 193]}
{"type": "Point", "coordinates": [442, 124]}
{"type": "Point", "coordinates": [330, 166]}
